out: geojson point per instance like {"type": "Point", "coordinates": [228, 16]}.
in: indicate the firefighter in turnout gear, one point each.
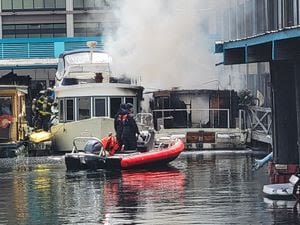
{"type": "Point", "coordinates": [44, 112]}
{"type": "Point", "coordinates": [130, 129]}
{"type": "Point", "coordinates": [118, 123]}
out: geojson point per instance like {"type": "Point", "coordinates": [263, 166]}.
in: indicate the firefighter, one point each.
{"type": "Point", "coordinates": [130, 129]}
{"type": "Point", "coordinates": [44, 112]}
{"type": "Point", "coordinates": [118, 123]}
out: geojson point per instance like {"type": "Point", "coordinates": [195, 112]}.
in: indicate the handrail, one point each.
{"type": "Point", "coordinates": [197, 109]}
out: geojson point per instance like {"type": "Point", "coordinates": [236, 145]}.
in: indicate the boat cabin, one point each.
{"type": "Point", "coordinates": [13, 123]}
{"type": "Point", "coordinates": [88, 101]}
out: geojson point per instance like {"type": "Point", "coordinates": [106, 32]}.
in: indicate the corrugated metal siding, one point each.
{"type": "Point", "coordinates": [74, 45]}
{"type": "Point", "coordinates": [14, 50]}
{"type": "Point", "coordinates": [41, 50]}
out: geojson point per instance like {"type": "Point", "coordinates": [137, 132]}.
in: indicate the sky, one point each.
{"type": "Point", "coordinates": [167, 43]}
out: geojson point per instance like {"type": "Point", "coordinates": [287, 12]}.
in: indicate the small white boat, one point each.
{"type": "Point", "coordinates": [282, 190]}
{"type": "Point", "coordinates": [279, 191]}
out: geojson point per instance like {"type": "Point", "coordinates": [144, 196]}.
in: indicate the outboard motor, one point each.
{"type": "Point", "coordinates": [145, 140]}
{"type": "Point", "coordinates": [92, 146]}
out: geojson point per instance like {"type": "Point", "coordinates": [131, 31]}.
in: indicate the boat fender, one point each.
{"type": "Point", "coordinates": [92, 146]}
{"type": "Point", "coordinates": [5, 121]}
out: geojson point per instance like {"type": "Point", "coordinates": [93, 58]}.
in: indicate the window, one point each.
{"type": "Point", "coordinates": [272, 15]}
{"type": "Point", "coordinates": [100, 4]}
{"type": "Point", "coordinates": [34, 30]}
{"type": "Point", "coordinates": [61, 110]}
{"type": "Point", "coordinates": [28, 4]}
{"type": "Point", "coordinates": [38, 4]}
{"type": "Point", "coordinates": [288, 13]}
{"type": "Point", "coordinates": [99, 107]}
{"type": "Point", "coordinates": [260, 16]}
{"type": "Point", "coordinates": [84, 108]}
{"type": "Point", "coordinates": [60, 4]}
{"type": "Point", "coordinates": [241, 18]}
{"type": "Point", "coordinates": [6, 5]}
{"type": "Point", "coordinates": [59, 30]}
{"type": "Point", "coordinates": [89, 3]}
{"type": "Point", "coordinates": [114, 106]}
{"type": "Point", "coordinates": [17, 4]}
{"type": "Point", "coordinates": [249, 20]}
{"type": "Point", "coordinates": [87, 29]}
{"type": "Point", "coordinates": [78, 4]}
{"type": "Point", "coordinates": [50, 4]}
{"type": "Point", "coordinates": [129, 100]}
{"type": "Point", "coordinates": [5, 106]}
{"type": "Point", "coordinates": [70, 110]}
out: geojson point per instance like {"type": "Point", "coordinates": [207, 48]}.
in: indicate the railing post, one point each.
{"type": "Point", "coordinates": [228, 117]}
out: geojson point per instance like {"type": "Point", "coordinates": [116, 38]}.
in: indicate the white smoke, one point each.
{"type": "Point", "coordinates": [166, 42]}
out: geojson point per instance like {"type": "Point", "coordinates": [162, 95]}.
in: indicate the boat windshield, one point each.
{"type": "Point", "coordinates": [83, 65]}
{"type": "Point", "coordinates": [86, 58]}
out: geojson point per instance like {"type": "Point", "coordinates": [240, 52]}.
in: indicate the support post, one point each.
{"type": "Point", "coordinates": [286, 160]}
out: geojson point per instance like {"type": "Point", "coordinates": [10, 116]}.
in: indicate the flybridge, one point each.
{"type": "Point", "coordinates": [83, 65]}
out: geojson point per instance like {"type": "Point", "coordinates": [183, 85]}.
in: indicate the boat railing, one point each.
{"type": "Point", "coordinates": [145, 120]}
{"type": "Point", "coordinates": [192, 118]}
{"type": "Point", "coordinates": [167, 142]}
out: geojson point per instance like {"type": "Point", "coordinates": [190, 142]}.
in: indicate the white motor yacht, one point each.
{"type": "Point", "coordinates": [88, 96]}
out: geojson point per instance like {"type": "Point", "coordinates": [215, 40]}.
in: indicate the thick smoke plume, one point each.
{"type": "Point", "coordinates": [168, 43]}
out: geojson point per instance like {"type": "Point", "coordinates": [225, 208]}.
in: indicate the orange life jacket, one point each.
{"type": "Point", "coordinates": [110, 144]}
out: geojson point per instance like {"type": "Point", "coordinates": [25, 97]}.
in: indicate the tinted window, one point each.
{"type": "Point", "coordinates": [100, 107]}
{"type": "Point", "coordinates": [84, 108]}
{"type": "Point", "coordinates": [70, 109]}
{"type": "Point", "coordinates": [114, 106]}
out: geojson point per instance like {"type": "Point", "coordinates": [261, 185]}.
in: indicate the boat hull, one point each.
{"type": "Point", "coordinates": [282, 191]}
{"type": "Point", "coordinates": [152, 158]}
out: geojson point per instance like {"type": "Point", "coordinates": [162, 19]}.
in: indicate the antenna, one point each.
{"type": "Point", "coordinates": [91, 45]}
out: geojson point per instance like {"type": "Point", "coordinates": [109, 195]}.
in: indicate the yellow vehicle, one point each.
{"type": "Point", "coordinates": [13, 124]}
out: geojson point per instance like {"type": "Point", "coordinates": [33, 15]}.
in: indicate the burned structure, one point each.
{"type": "Point", "coordinates": [198, 108]}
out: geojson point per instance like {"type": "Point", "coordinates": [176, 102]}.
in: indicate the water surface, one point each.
{"type": "Point", "coordinates": [197, 188]}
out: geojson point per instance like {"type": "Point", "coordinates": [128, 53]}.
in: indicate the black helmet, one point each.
{"type": "Point", "coordinates": [129, 106]}
{"type": "Point", "coordinates": [122, 106]}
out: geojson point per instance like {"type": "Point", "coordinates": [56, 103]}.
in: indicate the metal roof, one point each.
{"type": "Point", "coordinates": [274, 45]}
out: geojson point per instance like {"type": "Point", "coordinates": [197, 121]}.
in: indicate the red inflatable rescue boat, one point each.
{"type": "Point", "coordinates": [102, 154]}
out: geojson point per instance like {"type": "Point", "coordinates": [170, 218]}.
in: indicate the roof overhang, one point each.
{"type": "Point", "coordinates": [12, 64]}
{"type": "Point", "coordinates": [276, 45]}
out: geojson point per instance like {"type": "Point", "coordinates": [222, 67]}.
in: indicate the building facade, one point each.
{"type": "Point", "coordinates": [34, 32]}
{"type": "Point", "coordinates": [268, 33]}
{"type": "Point", "coordinates": [249, 18]}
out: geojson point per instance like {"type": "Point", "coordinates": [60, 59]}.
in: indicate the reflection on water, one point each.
{"type": "Point", "coordinates": [197, 188]}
